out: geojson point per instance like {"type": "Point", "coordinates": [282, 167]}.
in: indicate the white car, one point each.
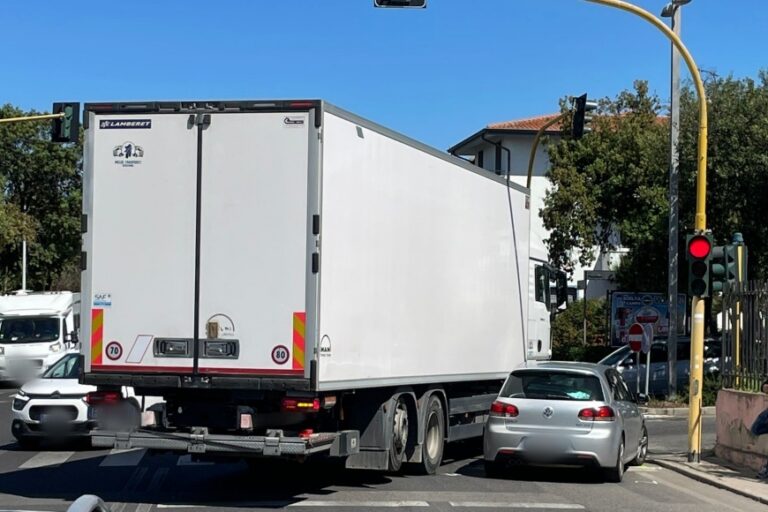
{"type": "Point", "coordinates": [55, 406]}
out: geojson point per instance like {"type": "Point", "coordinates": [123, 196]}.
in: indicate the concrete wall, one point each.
{"type": "Point", "coordinates": [736, 411]}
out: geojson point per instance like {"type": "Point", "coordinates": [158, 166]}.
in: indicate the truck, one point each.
{"type": "Point", "coordinates": [295, 280]}
{"type": "Point", "coordinates": [35, 331]}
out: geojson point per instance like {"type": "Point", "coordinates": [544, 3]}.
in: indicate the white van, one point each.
{"type": "Point", "coordinates": [35, 331]}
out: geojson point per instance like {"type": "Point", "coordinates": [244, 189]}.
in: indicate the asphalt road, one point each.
{"type": "Point", "coordinates": [134, 481]}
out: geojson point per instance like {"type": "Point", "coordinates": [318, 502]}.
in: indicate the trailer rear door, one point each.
{"type": "Point", "coordinates": [253, 258]}
{"type": "Point", "coordinates": [140, 258]}
{"type": "Point", "coordinates": [199, 231]}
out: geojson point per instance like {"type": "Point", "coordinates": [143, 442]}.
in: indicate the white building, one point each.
{"type": "Point", "coordinates": [506, 146]}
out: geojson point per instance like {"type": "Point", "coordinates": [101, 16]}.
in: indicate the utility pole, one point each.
{"type": "Point", "coordinates": [673, 10]}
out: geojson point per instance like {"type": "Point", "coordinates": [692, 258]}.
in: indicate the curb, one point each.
{"type": "Point", "coordinates": [702, 477]}
{"type": "Point", "coordinates": [676, 411]}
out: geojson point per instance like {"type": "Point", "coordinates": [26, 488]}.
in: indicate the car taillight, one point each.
{"type": "Point", "coordinates": [301, 404]}
{"type": "Point", "coordinates": [504, 410]}
{"type": "Point", "coordinates": [603, 413]}
{"type": "Point", "coordinates": [103, 397]}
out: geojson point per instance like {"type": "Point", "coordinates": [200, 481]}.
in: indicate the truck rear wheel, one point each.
{"type": "Point", "coordinates": [434, 435]}
{"type": "Point", "coordinates": [399, 435]}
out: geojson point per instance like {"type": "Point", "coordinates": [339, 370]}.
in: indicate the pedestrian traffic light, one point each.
{"type": "Point", "coordinates": [67, 128]}
{"type": "Point", "coordinates": [582, 116]}
{"type": "Point", "coordinates": [400, 3]}
{"type": "Point", "coordinates": [698, 255]}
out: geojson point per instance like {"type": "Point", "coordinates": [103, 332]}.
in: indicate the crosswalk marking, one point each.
{"type": "Point", "coordinates": [538, 506]}
{"type": "Point", "coordinates": [359, 504]}
{"type": "Point", "coordinates": [186, 460]}
{"type": "Point", "coordinates": [43, 459]}
{"type": "Point", "coordinates": [123, 458]}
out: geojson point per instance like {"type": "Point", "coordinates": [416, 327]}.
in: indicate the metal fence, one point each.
{"type": "Point", "coordinates": [744, 356]}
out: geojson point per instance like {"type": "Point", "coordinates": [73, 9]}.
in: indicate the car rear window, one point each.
{"type": "Point", "coordinates": [552, 385]}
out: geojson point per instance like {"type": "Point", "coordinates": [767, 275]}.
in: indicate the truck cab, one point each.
{"type": "Point", "coordinates": [36, 329]}
{"type": "Point", "coordinates": [547, 294]}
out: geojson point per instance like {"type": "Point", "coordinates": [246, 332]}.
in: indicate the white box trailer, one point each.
{"type": "Point", "coordinates": [293, 278]}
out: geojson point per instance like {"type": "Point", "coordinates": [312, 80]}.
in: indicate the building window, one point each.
{"type": "Point", "coordinates": [480, 161]}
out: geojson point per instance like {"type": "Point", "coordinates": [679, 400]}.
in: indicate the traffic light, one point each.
{"type": "Point", "coordinates": [67, 128]}
{"type": "Point", "coordinates": [699, 250]}
{"type": "Point", "coordinates": [723, 267]}
{"type": "Point", "coordinates": [582, 116]}
{"type": "Point", "coordinates": [400, 3]}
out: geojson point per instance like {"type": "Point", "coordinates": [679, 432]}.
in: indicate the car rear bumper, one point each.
{"type": "Point", "coordinates": [597, 446]}
{"type": "Point", "coordinates": [20, 428]}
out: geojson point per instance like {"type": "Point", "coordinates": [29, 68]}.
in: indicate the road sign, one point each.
{"type": "Point", "coordinates": [635, 338]}
{"type": "Point", "coordinates": [647, 338]}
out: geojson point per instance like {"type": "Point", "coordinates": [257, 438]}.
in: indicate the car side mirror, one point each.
{"type": "Point", "coordinates": [642, 399]}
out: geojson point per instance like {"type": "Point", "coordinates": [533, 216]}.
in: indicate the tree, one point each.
{"type": "Point", "coordinates": [568, 332]}
{"type": "Point", "coordinates": [611, 182]}
{"type": "Point", "coordinates": [42, 191]}
{"type": "Point", "coordinates": [737, 175]}
{"type": "Point", "coordinates": [615, 180]}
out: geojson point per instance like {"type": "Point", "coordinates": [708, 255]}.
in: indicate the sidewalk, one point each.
{"type": "Point", "coordinates": [661, 412]}
{"type": "Point", "coordinates": [717, 472]}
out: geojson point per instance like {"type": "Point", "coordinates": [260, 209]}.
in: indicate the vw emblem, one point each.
{"type": "Point", "coordinates": [548, 412]}
{"type": "Point", "coordinates": [55, 394]}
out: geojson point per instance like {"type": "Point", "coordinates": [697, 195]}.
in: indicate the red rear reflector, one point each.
{"type": "Point", "coordinates": [304, 434]}
{"type": "Point", "coordinates": [103, 397]}
{"type": "Point", "coordinates": [505, 410]}
{"type": "Point", "coordinates": [603, 413]}
{"type": "Point", "coordinates": [301, 404]}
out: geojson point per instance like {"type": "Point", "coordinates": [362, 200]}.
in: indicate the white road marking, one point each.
{"type": "Point", "coordinates": [157, 480]}
{"type": "Point", "coordinates": [540, 506]}
{"type": "Point", "coordinates": [122, 458]}
{"type": "Point", "coordinates": [359, 504]}
{"type": "Point", "coordinates": [43, 459]}
{"type": "Point", "coordinates": [144, 507]}
{"type": "Point", "coordinates": [186, 460]}
{"type": "Point", "coordinates": [452, 474]}
{"type": "Point", "coordinates": [312, 503]}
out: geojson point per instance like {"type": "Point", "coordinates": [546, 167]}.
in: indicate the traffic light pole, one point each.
{"type": "Point", "coordinates": [697, 307]}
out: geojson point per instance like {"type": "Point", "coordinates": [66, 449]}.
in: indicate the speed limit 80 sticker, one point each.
{"type": "Point", "coordinates": [280, 354]}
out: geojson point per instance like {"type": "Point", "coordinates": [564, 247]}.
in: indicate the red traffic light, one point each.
{"type": "Point", "coordinates": [699, 247]}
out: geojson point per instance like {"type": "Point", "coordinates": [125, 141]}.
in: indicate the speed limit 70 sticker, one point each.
{"type": "Point", "coordinates": [114, 350]}
{"type": "Point", "coordinates": [280, 354]}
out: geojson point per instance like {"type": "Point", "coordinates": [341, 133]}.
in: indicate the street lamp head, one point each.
{"type": "Point", "coordinates": [669, 10]}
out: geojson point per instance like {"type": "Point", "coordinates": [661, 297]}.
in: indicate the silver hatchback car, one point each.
{"type": "Point", "coordinates": [576, 414]}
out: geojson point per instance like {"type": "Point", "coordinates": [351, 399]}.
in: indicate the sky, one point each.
{"type": "Point", "coordinates": [437, 74]}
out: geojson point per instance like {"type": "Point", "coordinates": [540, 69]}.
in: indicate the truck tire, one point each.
{"type": "Point", "coordinates": [399, 442]}
{"type": "Point", "coordinates": [434, 437]}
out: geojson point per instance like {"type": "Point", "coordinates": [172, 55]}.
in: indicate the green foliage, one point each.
{"type": "Point", "coordinates": [568, 332]}
{"type": "Point", "coordinates": [712, 385]}
{"type": "Point", "coordinates": [615, 180]}
{"type": "Point", "coordinates": [41, 200]}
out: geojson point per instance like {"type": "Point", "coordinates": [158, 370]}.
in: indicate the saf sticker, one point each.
{"type": "Point", "coordinates": [280, 354]}
{"type": "Point", "coordinates": [114, 350]}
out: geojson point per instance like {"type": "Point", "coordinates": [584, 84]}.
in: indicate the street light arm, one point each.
{"type": "Point", "coordinates": [701, 174]}
{"type": "Point", "coordinates": [535, 145]}
{"type": "Point", "coordinates": [31, 118]}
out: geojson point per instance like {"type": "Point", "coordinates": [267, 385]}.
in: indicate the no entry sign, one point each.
{"type": "Point", "coordinates": [636, 334]}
